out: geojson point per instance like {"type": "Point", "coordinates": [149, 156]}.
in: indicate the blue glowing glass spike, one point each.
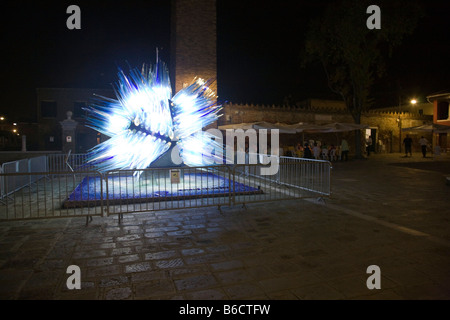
{"type": "Point", "coordinates": [144, 121]}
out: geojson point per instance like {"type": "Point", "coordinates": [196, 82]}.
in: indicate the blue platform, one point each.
{"type": "Point", "coordinates": [126, 189]}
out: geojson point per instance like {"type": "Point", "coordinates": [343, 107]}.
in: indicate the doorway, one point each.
{"type": "Point", "coordinates": [374, 133]}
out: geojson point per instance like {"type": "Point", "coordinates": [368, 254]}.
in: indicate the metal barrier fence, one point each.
{"type": "Point", "coordinates": [10, 184]}
{"type": "Point", "coordinates": [167, 189]}
{"type": "Point", "coordinates": [68, 162]}
{"type": "Point", "coordinates": [222, 185]}
{"type": "Point", "coordinates": [46, 198]}
{"type": "Point", "coordinates": [307, 174]}
{"type": "Point", "coordinates": [90, 193]}
{"type": "Point", "coordinates": [293, 180]}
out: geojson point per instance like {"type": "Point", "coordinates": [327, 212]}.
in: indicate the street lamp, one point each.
{"type": "Point", "coordinates": [399, 120]}
{"type": "Point", "coordinates": [399, 123]}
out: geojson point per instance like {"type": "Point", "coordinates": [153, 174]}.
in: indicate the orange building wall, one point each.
{"type": "Point", "coordinates": [441, 122]}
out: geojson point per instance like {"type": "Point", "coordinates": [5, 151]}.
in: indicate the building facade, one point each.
{"type": "Point", "coordinates": [53, 104]}
{"type": "Point", "coordinates": [441, 116]}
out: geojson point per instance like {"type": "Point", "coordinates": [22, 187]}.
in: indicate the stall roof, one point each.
{"type": "Point", "coordinates": [297, 127]}
{"type": "Point", "coordinates": [435, 128]}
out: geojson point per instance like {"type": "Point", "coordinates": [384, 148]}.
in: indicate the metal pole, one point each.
{"type": "Point", "coordinates": [24, 143]}
{"type": "Point", "coordinates": [399, 125]}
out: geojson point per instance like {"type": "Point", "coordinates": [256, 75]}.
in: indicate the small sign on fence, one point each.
{"type": "Point", "coordinates": [174, 176]}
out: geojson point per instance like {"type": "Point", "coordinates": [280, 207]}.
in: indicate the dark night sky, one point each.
{"type": "Point", "coordinates": [258, 50]}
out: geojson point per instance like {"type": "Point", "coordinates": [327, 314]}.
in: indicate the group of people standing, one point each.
{"type": "Point", "coordinates": [326, 152]}
{"type": "Point", "coordinates": [340, 152]}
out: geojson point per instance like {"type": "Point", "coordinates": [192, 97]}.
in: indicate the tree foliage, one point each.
{"type": "Point", "coordinates": [352, 55]}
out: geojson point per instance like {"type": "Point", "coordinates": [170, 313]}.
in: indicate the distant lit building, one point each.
{"type": "Point", "coordinates": [52, 107]}
{"type": "Point", "coordinates": [440, 108]}
{"type": "Point", "coordinates": [441, 117]}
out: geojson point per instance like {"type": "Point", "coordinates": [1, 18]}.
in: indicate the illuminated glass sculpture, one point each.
{"type": "Point", "coordinates": [145, 120]}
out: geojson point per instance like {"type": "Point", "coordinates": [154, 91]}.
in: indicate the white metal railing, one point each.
{"type": "Point", "coordinates": [45, 198]}
{"type": "Point", "coordinates": [77, 192]}
{"type": "Point", "coordinates": [307, 174]}
{"type": "Point", "coordinates": [167, 188]}
{"type": "Point", "coordinates": [10, 183]}
{"type": "Point", "coordinates": [68, 162]}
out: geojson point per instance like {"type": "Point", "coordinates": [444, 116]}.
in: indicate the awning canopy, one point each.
{"type": "Point", "coordinates": [338, 127]}
{"type": "Point", "coordinates": [297, 127]}
{"type": "Point", "coordinates": [430, 128]}
{"type": "Point", "coordinates": [259, 125]}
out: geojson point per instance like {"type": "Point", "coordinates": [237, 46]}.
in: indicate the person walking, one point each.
{"type": "Point", "coordinates": [423, 144]}
{"type": "Point", "coordinates": [344, 150]}
{"type": "Point", "coordinates": [408, 145]}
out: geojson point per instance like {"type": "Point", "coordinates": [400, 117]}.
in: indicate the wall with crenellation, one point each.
{"type": "Point", "coordinates": [384, 124]}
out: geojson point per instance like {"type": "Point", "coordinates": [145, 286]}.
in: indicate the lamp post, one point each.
{"type": "Point", "coordinates": [399, 121]}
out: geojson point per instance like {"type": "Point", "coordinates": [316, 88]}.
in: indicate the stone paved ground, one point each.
{"type": "Point", "coordinates": [388, 211]}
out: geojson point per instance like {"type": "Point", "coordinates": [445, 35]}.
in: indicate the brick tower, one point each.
{"type": "Point", "coordinates": [193, 42]}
